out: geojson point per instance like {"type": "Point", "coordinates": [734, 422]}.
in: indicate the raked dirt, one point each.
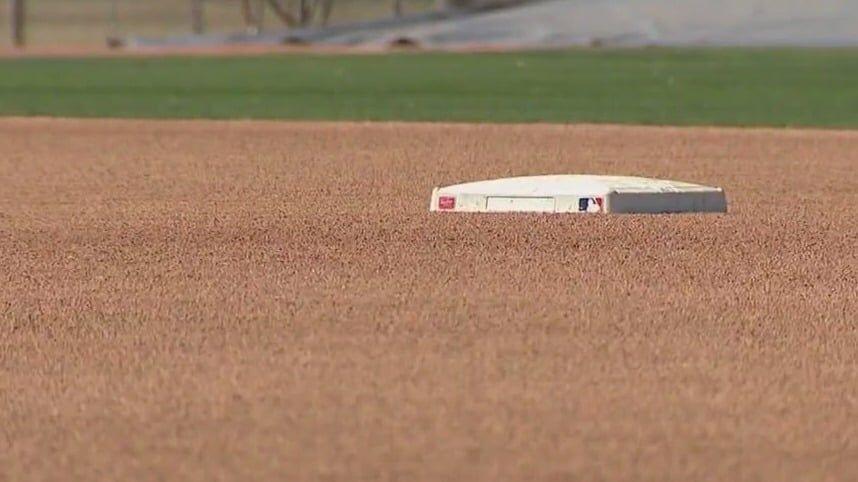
{"type": "Point", "coordinates": [273, 301]}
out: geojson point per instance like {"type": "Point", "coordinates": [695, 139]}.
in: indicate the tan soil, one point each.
{"type": "Point", "coordinates": [76, 51]}
{"type": "Point", "coordinates": [253, 300]}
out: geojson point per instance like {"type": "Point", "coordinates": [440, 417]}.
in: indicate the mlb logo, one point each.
{"type": "Point", "coordinates": [590, 205]}
{"type": "Point", "coordinates": [446, 202]}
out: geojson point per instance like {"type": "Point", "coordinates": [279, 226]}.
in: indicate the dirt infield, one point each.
{"type": "Point", "coordinates": [225, 300]}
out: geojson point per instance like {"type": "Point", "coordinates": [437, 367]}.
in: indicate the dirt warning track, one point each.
{"type": "Point", "coordinates": [220, 300]}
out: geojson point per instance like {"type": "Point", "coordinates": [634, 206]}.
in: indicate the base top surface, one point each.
{"type": "Point", "coordinates": [570, 185]}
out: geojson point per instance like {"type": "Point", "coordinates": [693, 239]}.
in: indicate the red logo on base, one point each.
{"type": "Point", "coordinates": [446, 202]}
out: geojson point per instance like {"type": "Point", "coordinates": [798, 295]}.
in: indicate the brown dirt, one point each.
{"type": "Point", "coordinates": [246, 300]}
{"type": "Point", "coordinates": [77, 51]}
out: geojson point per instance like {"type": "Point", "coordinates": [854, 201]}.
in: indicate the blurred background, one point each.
{"type": "Point", "coordinates": [91, 22]}
{"type": "Point", "coordinates": [431, 23]}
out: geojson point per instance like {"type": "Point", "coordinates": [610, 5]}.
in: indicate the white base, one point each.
{"type": "Point", "coordinates": [579, 194]}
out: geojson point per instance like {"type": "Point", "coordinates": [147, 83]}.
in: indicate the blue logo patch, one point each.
{"type": "Point", "coordinates": [590, 205]}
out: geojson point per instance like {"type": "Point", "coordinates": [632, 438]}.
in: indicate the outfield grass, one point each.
{"type": "Point", "coordinates": [652, 86]}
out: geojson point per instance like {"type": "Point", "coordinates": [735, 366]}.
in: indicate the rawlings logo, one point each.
{"type": "Point", "coordinates": [446, 202]}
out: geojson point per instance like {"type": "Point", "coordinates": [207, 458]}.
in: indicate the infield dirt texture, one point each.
{"type": "Point", "coordinates": [252, 300]}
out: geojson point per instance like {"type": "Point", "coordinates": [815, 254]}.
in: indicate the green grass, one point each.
{"type": "Point", "coordinates": [650, 86]}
